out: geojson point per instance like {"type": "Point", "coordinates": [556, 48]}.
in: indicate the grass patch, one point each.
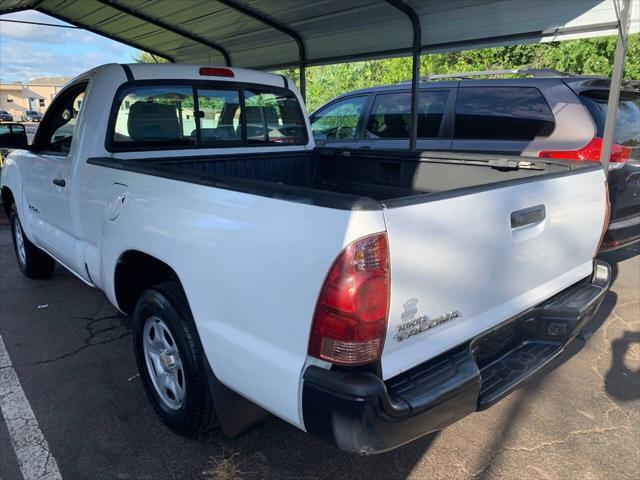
{"type": "Point", "coordinates": [226, 467]}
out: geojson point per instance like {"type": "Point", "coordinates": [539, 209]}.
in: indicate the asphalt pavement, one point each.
{"type": "Point", "coordinates": [72, 354]}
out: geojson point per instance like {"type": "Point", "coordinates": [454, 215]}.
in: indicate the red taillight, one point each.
{"type": "Point", "coordinates": [590, 152]}
{"type": "Point", "coordinates": [350, 321]}
{"type": "Point", "coordinates": [216, 72]}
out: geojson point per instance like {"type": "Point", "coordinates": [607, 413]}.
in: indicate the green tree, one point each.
{"type": "Point", "coordinates": [587, 56]}
{"type": "Point", "coordinates": [145, 57]}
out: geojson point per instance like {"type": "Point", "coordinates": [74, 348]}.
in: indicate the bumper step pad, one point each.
{"type": "Point", "coordinates": [502, 375]}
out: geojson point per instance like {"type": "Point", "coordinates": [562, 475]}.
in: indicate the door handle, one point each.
{"type": "Point", "coordinates": [59, 182]}
{"type": "Point", "coordinates": [528, 216]}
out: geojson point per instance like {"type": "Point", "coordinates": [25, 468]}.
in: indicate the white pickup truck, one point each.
{"type": "Point", "coordinates": [366, 297]}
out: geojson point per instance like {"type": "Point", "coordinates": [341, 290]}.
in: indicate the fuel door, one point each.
{"type": "Point", "coordinates": [119, 193]}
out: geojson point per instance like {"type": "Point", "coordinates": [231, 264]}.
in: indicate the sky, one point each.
{"type": "Point", "coordinates": [30, 51]}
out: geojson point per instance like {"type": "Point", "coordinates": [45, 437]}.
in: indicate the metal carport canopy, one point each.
{"type": "Point", "coordinates": [267, 34]}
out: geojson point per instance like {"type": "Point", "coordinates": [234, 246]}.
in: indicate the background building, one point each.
{"type": "Point", "coordinates": [36, 94]}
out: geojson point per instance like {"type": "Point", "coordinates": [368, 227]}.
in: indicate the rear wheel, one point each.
{"type": "Point", "coordinates": [33, 262]}
{"type": "Point", "coordinates": [171, 361]}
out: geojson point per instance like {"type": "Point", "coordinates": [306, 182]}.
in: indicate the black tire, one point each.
{"type": "Point", "coordinates": [169, 303]}
{"type": "Point", "coordinates": [36, 263]}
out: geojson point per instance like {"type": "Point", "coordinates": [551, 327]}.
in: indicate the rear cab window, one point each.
{"type": "Point", "coordinates": [219, 117]}
{"type": "Point", "coordinates": [203, 115]}
{"type": "Point", "coordinates": [502, 113]}
{"type": "Point", "coordinates": [627, 128]}
{"type": "Point", "coordinates": [273, 118]}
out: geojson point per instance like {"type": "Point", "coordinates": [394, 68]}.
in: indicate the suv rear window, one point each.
{"type": "Point", "coordinates": [204, 116]}
{"type": "Point", "coordinates": [391, 115]}
{"type": "Point", "coordinates": [627, 129]}
{"type": "Point", "coordinates": [502, 113]}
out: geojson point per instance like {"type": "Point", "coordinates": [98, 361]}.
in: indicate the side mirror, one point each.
{"type": "Point", "coordinates": [13, 135]}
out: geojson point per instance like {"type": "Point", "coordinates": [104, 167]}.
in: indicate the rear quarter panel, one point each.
{"type": "Point", "coordinates": [251, 268]}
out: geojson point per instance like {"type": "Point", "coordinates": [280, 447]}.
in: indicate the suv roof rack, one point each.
{"type": "Point", "coordinates": [534, 72]}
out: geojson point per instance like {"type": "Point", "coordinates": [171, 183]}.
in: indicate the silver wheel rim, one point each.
{"type": "Point", "coordinates": [22, 253]}
{"type": "Point", "coordinates": [164, 365]}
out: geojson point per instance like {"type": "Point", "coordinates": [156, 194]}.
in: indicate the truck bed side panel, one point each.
{"type": "Point", "coordinates": [251, 267]}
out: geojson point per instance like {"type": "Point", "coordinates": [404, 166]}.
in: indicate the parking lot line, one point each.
{"type": "Point", "coordinates": [30, 446]}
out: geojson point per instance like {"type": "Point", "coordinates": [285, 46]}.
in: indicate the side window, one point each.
{"type": "Point", "coordinates": [59, 123]}
{"type": "Point", "coordinates": [391, 115]}
{"type": "Point", "coordinates": [338, 121]}
{"type": "Point", "coordinates": [502, 113]}
{"type": "Point", "coordinates": [219, 116]}
{"type": "Point", "coordinates": [156, 116]}
{"type": "Point", "coordinates": [431, 108]}
{"type": "Point", "coordinates": [273, 118]}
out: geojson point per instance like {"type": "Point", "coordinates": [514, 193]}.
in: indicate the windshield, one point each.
{"type": "Point", "coordinates": [32, 112]}
{"type": "Point", "coordinates": [627, 129]}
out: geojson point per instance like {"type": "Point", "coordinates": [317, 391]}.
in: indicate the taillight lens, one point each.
{"type": "Point", "coordinates": [590, 152]}
{"type": "Point", "coordinates": [350, 321]}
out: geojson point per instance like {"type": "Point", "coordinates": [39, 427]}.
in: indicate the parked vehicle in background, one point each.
{"type": "Point", "coordinates": [31, 116]}
{"type": "Point", "coordinates": [12, 135]}
{"type": "Point", "coordinates": [367, 298]}
{"type": "Point", "coordinates": [5, 116]}
{"type": "Point", "coordinates": [549, 115]}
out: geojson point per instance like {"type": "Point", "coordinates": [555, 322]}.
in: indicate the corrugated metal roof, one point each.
{"type": "Point", "coordinates": [210, 31]}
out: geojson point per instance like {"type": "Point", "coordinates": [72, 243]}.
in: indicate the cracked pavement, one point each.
{"type": "Point", "coordinates": [580, 417]}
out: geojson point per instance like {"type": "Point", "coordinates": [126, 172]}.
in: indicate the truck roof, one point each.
{"type": "Point", "coordinates": [183, 71]}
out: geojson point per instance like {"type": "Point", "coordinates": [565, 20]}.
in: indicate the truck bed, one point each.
{"type": "Point", "coordinates": [471, 238]}
{"type": "Point", "coordinates": [381, 176]}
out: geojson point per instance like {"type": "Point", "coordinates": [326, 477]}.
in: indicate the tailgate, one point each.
{"type": "Point", "coordinates": [464, 261]}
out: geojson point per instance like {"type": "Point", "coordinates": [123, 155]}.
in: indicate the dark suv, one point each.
{"type": "Point", "coordinates": [549, 114]}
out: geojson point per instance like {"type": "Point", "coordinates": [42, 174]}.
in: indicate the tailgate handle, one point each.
{"type": "Point", "coordinates": [528, 216]}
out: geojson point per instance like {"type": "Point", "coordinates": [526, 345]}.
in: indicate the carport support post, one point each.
{"type": "Point", "coordinates": [616, 81]}
{"type": "Point", "coordinates": [415, 83]}
{"type": "Point", "coordinates": [415, 67]}
{"type": "Point", "coordinates": [303, 80]}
